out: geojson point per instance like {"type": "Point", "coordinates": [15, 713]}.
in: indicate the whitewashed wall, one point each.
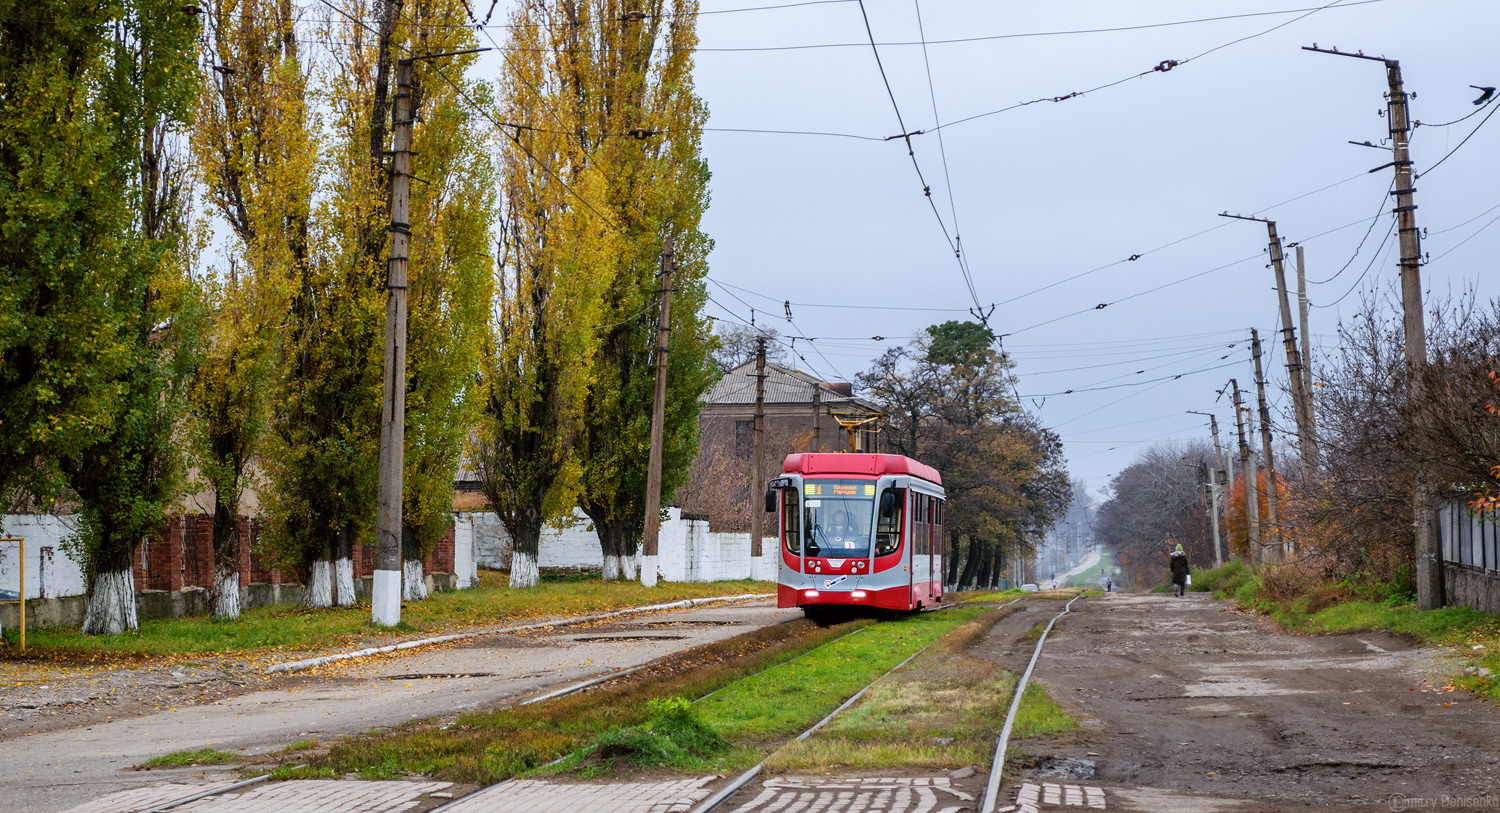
{"type": "Point", "coordinates": [688, 551]}
{"type": "Point", "coordinates": [50, 572]}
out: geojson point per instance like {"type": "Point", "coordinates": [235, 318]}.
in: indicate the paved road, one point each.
{"type": "Point", "coordinates": [1190, 704]}
{"type": "Point", "coordinates": [61, 769]}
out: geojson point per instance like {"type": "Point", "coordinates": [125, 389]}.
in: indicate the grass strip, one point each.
{"type": "Point", "coordinates": [941, 711]}
{"type": "Point", "coordinates": [182, 759]}
{"type": "Point", "coordinates": [488, 746]}
{"type": "Point", "coordinates": [297, 628]}
{"type": "Point", "coordinates": [783, 702]}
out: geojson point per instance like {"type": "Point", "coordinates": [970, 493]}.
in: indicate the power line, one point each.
{"type": "Point", "coordinates": [1470, 237]}
{"type": "Point", "coordinates": [911, 152]}
{"type": "Point", "coordinates": [1429, 170]}
{"type": "Point", "coordinates": [1161, 67]}
{"type": "Point", "coordinates": [1379, 210]}
{"type": "Point", "coordinates": [1376, 256]}
{"type": "Point", "coordinates": [1132, 383]}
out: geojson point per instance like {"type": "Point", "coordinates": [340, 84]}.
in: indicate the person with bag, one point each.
{"type": "Point", "coordinates": [1180, 571]}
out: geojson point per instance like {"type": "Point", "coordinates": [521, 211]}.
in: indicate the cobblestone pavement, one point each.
{"type": "Point", "coordinates": [1033, 797]}
{"type": "Point", "coordinates": [861, 795]}
{"type": "Point", "coordinates": [539, 796]}
{"type": "Point", "coordinates": [129, 801]}
{"type": "Point", "coordinates": [303, 796]}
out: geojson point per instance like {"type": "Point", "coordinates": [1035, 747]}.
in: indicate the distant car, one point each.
{"type": "Point", "coordinates": [1030, 588]}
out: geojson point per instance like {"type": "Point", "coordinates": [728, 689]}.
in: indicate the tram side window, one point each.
{"type": "Point", "coordinates": [888, 525]}
{"type": "Point", "coordinates": [790, 517]}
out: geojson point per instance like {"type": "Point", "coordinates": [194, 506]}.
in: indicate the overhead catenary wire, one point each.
{"type": "Point", "coordinates": [1424, 173]}
{"type": "Point", "coordinates": [911, 153]}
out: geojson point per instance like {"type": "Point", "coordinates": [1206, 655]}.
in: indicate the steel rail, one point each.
{"type": "Point", "coordinates": [745, 778]}
{"type": "Point", "coordinates": [997, 767]}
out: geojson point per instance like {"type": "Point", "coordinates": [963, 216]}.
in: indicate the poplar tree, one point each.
{"type": "Point", "coordinates": [556, 254]}
{"type": "Point", "coordinates": [254, 147]}
{"type": "Point", "coordinates": [321, 453]}
{"type": "Point", "coordinates": [631, 70]}
{"type": "Point", "coordinates": [129, 471]}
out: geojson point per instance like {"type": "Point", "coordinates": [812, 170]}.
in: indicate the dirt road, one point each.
{"type": "Point", "coordinates": [57, 769]}
{"type": "Point", "coordinates": [1191, 704]}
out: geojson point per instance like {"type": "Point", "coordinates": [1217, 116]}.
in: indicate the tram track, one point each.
{"type": "Point", "coordinates": [723, 794]}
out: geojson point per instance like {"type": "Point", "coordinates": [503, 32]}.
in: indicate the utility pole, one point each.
{"type": "Point", "coordinates": [1213, 482]}
{"type": "Point", "coordinates": [1247, 473]}
{"type": "Point", "coordinates": [385, 598]}
{"type": "Point", "coordinates": [1306, 444]}
{"type": "Point", "coordinates": [1428, 546]}
{"type": "Point", "coordinates": [652, 531]}
{"type": "Point", "coordinates": [1265, 438]}
{"type": "Point", "coordinates": [757, 467]}
{"type": "Point", "coordinates": [385, 594]}
{"type": "Point", "coordinates": [817, 417]}
{"type": "Point", "coordinates": [1307, 377]}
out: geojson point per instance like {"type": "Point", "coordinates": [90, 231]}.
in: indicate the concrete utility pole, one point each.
{"type": "Point", "coordinates": [1428, 545]}
{"type": "Point", "coordinates": [1247, 473]}
{"type": "Point", "coordinates": [757, 467]}
{"type": "Point", "coordinates": [652, 531]}
{"type": "Point", "coordinates": [385, 598]}
{"type": "Point", "coordinates": [1265, 438]}
{"type": "Point", "coordinates": [385, 594]}
{"type": "Point", "coordinates": [1213, 482]}
{"type": "Point", "coordinates": [1306, 443]}
{"type": "Point", "coordinates": [1307, 377]}
{"type": "Point", "coordinates": [817, 417]}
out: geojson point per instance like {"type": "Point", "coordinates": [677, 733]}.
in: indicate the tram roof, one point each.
{"type": "Point", "coordinates": [867, 464]}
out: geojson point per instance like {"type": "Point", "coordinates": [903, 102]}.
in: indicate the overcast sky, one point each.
{"type": "Point", "coordinates": [1051, 190]}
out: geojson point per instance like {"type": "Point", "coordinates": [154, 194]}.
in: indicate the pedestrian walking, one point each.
{"type": "Point", "coordinates": [1179, 571]}
{"type": "Point", "coordinates": [1109, 585]}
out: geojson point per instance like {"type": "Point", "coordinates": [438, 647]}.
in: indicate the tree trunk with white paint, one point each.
{"type": "Point", "coordinates": [523, 570]}
{"type": "Point", "coordinates": [413, 581]}
{"type": "Point", "coordinates": [611, 567]}
{"type": "Point", "coordinates": [111, 607]}
{"type": "Point", "coordinates": [227, 594]}
{"type": "Point", "coordinates": [343, 571]}
{"type": "Point", "coordinates": [319, 591]}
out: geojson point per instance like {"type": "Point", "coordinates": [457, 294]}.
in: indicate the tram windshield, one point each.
{"type": "Point", "coordinates": [836, 517]}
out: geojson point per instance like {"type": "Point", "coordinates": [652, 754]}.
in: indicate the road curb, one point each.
{"type": "Point", "coordinates": [308, 663]}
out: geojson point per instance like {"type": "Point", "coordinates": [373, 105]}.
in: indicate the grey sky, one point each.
{"type": "Point", "coordinates": [1051, 190]}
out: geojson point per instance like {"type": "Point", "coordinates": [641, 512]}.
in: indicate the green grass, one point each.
{"type": "Point", "coordinates": [1090, 578]}
{"type": "Point", "coordinates": [784, 701]}
{"type": "Point", "coordinates": [486, 747]}
{"type": "Point", "coordinates": [906, 720]}
{"type": "Point", "coordinates": [297, 628]}
{"type": "Point", "coordinates": [182, 759]}
{"type": "Point", "coordinates": [993, 597]}
{"type": "Point", "coordinates": [767, 693]}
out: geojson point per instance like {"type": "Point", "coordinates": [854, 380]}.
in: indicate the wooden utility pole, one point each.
{"type": "Point", "coordinates": [652, 531]}
{"type": "Point", "coordinates": [385, 599]}
{"type": "Point", "coordinates": [757, 465]}
{"type": "Point", "coordinates": [1213, 482]}
{"type": "Point", "coordinates": [1306, 443]}
{"type": "Point", "coordinates": [1275, 551]}
{"type": "Point", "coordinates": [1247, 473]}
{"type": "Point", "coordinates": [1307, 377]}
{"type": "Point", "coordinates": [1428, 545]}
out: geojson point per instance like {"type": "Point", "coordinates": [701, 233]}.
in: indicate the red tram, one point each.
{"type": "Point", "coordinates": [858, 530]}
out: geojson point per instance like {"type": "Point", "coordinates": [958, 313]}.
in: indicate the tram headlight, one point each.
{"type": "Point", "coordinates": [858, 594]}
{"type": "Point", "coordinates": [811, 594]}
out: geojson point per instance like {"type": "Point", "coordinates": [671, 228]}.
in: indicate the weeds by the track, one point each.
{"type": "Point", "coordinates": [184, 759]}
{"type": "Point", "coordinates": [943, 710]}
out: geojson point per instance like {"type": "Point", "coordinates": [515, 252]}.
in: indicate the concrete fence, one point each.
{"type": "Point", "coordinates": [687, 550]}
{"type": "Point", "coordinates": [174, 569]}
{"type": "Point", "coordinates": [1471, 556]}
